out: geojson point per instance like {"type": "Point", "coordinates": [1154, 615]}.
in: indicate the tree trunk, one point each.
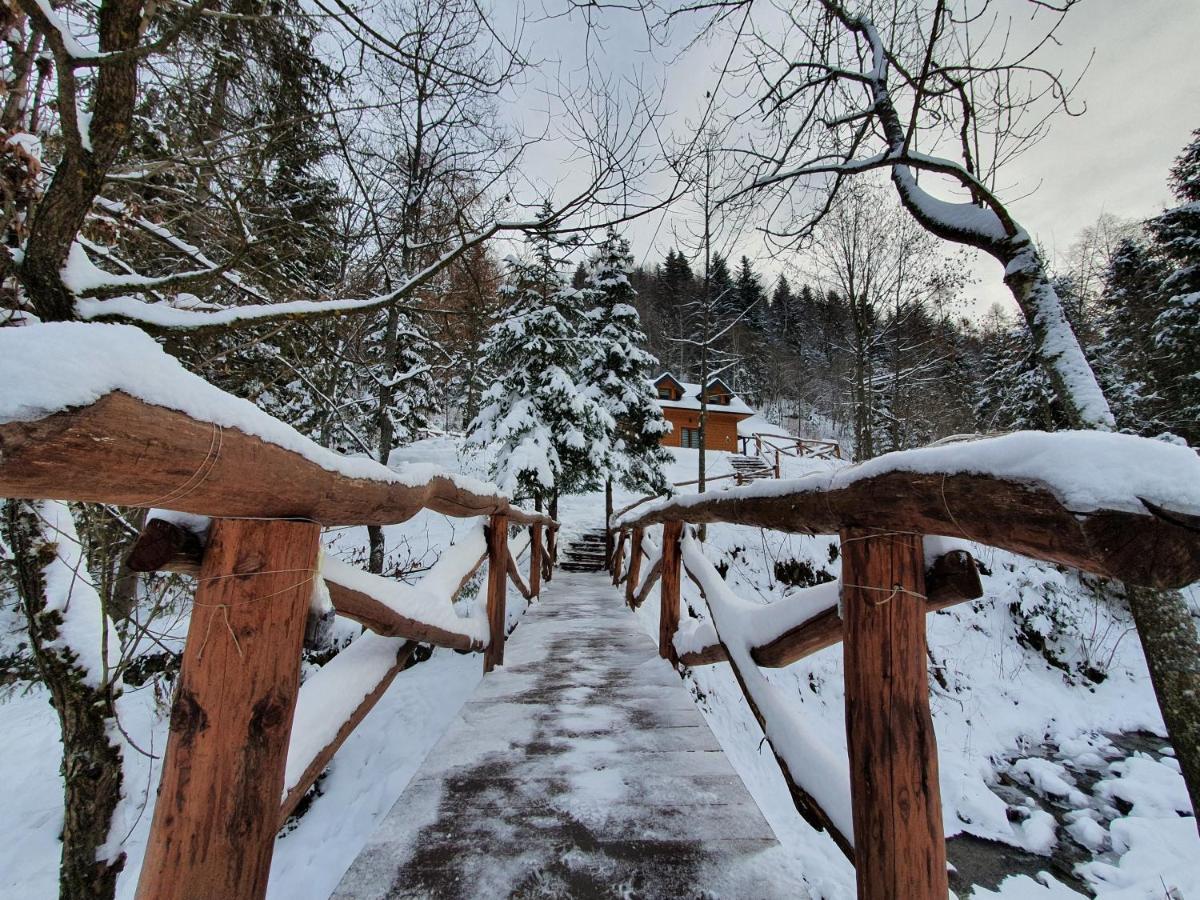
{"type": "Point", "coordinates": [91, 762]}
{"type": "Point", "coordinates": [1168, 636]}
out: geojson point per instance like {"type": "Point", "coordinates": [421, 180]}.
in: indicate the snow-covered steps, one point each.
{"type": "Point", "coordinates": [584, 553]}
{"type": "Point", "coordinates": [581, 768]}
{"type": "Point", "coordinates": [750, 468]}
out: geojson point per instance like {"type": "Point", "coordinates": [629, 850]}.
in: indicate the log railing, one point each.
{"type": "Point", "coordinates": [246, 740]}
{"type": "Point", "coordinates": [892, 576]}
{"type": "Point", "coordinates": [787, 445]}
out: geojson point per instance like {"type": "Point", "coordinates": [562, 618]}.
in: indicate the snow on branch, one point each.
{"type": "Point", "coordinates": [159, 316]}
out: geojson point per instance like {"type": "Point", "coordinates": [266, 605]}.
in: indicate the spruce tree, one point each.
{"type": "Point", "coordinates": [722, 290]}
{"type": "Point", "coordinates": [751, 298]}
{"type": "Point", "coordinates": [548, 436]}
{"type": "Point", "coordinates": [782, 310]}
{"type": "Point", "coordinates": [1123, 357]}
{"type": "Point", "coordinates": [1015, 394]}
{"type": "Point", "coordinates": [617, 369]}
{"type": "Point", "coordinates": [1176, 236]}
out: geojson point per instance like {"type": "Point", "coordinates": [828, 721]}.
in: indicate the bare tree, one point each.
{"type": "Point", "coordinates": [929, 91]}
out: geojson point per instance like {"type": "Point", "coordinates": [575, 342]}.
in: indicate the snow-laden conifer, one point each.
{"type": "Point", "coordinates": [616, 370]}
{"type": "Point", "coordinates": [1177, 237]}
{"type": "Point", "coordinates": [548, 436]}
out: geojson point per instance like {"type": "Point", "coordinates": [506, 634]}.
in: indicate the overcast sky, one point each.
{"type": "Point", "coordinates": [1142, 92]}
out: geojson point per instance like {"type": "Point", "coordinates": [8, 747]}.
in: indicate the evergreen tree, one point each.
{"type": "Point", "coordinates": [677, 289]}
{"type": "Point", "coordinates": [1015, 394]}
{"type": "Point", "coordinates": [1123, 356]}
{"type": "Point", "coordinates": [1176, 235]}
{"type": "Point", "coordinates": [617, 369]}
{"type": "Point", "coordinates": [782, 310]}
{"type": "Point", "coordinates": [750, 297]}
{"type": "Point", "coordinates": [722, 290]}
{"type": "Point", "coordinates": [550, 437]}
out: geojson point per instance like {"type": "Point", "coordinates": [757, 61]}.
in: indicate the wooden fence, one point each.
{"type": "Point", "coordinates": [895, 838]}
{"type": "Point", "coordinates": [228, 781]}
{"type": "Point", "coordinates": [771, 447]}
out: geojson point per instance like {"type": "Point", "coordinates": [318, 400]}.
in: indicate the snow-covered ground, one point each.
{"type": "Point", "coordinates": [1033, 687]}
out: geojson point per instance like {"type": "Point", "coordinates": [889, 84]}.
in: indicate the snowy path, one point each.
{"type": "Point", "coordinates": [581, 768]}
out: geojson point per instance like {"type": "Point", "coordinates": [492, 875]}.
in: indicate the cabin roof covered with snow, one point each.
{"type": "Point", "coordinates": [691, 396]}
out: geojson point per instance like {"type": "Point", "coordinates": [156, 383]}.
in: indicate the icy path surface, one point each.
{"type": "Point", "coordinates": [580, 768]}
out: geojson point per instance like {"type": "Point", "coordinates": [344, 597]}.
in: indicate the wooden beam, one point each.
{"type": "Point", "coordinates": [672, 564]}
{"type": "Point", "coordinates": [124, 451]}
{"type": "Point", "coordinates": [497, 584]}
{"type": "Point", "coordinates": [217, 811]}
{"type": "Point", "coordinates": [372, 613]}
{"type": "Point", "coordinates": [635, 567]}
{"type": "Point", "coordinates": [514, 575]}
{"type": "Point", "coordinates": [953, 578]}
{"type": "Point", "coordinates": [618, 561]}
{"type": "Point", "coordinates": [319, 762]}
{"type": "Point", "coordinates": [535, 560]}
{"type": "Point", "coordinates": [900, 850]}
{"type": "Point", "coordinates": [1154, 549]}
{"type": "Point", "coordinates": [652, 577]}
{"type": "Point", "coordinates": [159, 538]}
{"type": "Point", "coordinates": [165, 546]}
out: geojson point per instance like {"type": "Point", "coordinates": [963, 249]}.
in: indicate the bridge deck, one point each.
{"type": "Point", "coordinates": [580, 768]}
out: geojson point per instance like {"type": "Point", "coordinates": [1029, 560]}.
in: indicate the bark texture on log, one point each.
{"type": "Point", "coordinates": [1153, 550]}
{"type": "Point", "coordinates": [1168, 635]}
{"type": "Point", "coordinates": [497, 589]}
{"type": "Point", "coordinates": [900, 850]}
{"type": "Point", "coordinates": [535, 560]}
{"type": "Point", "coordinates": [672, 573]}
{"type": "Point", "coordinates": [635, 567]}
{"type": "Point", "coordinates": [123, 451]}
{"type": "Point", "coordinates": [218, 803]}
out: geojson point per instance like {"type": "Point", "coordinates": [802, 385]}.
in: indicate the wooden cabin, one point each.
{"type": "Point", "coordinates": [680, 402]}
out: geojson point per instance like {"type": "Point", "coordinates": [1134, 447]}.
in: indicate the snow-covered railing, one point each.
{"type": "Point", "coordinates": [110, 418]}
{"type": "Point", "coordinates": [1112, 505]}
{"type": "Point", "coordinates": [787, 445]}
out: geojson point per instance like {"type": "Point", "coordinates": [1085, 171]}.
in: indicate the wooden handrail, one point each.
{"type": "Point", "coordinates": [952, 579]}
{"type": "Point", "coordinates": [514, 575]}
{"type": "Point", "coordinates": [1156, 548]}
{"type": "Point", "coordinates": [297, 785]}
{"type": "Point", "coordinates": [127, 452]}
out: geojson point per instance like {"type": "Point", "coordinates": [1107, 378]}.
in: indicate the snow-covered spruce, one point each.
{"type": "Point", "coordinates": [549, 436]}
{"type": "Point", "coordinates": [616, 369]}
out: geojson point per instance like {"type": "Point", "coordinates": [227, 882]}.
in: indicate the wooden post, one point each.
{"type": "Point", "coordinates": [635, 566]}
{"type": "Point", "coordinates": [758, 444]}
{"type": "Point", "coordinates": [497, 591]}
{"type": "Point", "coordinates": [608, 511]}
{"type": "Point", "coordinates": [535, 560]}
{"type": "Point", "coordinates": [618, 560]}
{"type": "Point", "coordinates": [550, 556]}
{"type": "Point", "coordinates": [668, 620]}
{"type": "Point", "coordinates": [776, 463]}
{"type": "Point", "coordinates": [217, 812]}
{"type": "Point", "coordinates": [900, 849]}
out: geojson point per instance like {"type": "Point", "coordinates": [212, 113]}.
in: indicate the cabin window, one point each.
{"type": "Point", "coordinates": [691, 438]}
{"type": "Point", "coordinates": [664, 393]}
{"type": "Point", "coordinates": [719, 399]}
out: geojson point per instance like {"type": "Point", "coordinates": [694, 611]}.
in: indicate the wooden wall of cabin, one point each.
{"type": "Point", "coordinates": [720, 433]}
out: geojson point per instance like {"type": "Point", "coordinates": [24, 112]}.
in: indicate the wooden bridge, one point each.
{"type": "Point", "coordinates": [582, 765]}
{"type": "Point", "coordinates": [583, 708]}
